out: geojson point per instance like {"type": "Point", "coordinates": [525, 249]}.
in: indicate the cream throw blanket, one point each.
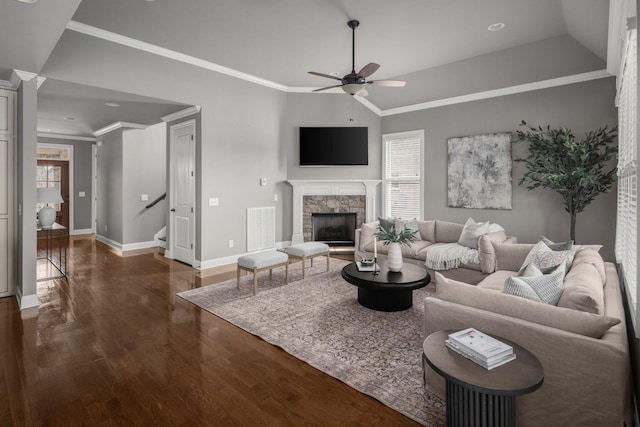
{"type": "Point", "coordinates": [451, 255]}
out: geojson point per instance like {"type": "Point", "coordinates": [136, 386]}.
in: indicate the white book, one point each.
{"type": "Point", "coordinates": [494, 364]}
{"type": "Point", "coordinates": [483, 346]}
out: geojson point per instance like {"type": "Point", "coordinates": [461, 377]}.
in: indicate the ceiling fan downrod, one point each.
{"type": "Point", "coordinates": [353, 24]}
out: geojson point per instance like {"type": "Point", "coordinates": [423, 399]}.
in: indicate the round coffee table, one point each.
{"type": "Point", "coordinates": [488, 397]}
{"type": "Point", "coordinates": [386, 290]}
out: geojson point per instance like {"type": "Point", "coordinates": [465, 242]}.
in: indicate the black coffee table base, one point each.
{"type": "Point", "coordinates": [473, 408]}
{"type": "Point", "coordinates": [376, 299]}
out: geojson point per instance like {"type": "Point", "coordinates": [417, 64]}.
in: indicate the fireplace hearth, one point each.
{"type": "Point", "coordinates": [334, 228]}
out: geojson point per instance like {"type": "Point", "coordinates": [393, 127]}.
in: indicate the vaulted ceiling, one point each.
{"type": "Point", "coordinates": [441, 48]}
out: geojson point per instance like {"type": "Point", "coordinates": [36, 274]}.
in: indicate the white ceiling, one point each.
{"type": "Point", "coordinates": [281, 40]}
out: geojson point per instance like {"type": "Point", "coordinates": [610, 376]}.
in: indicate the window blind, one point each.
{"type": "Point", "coordinates": [402, 174]}
{"type": "Point", "coordinates": [627, 221]}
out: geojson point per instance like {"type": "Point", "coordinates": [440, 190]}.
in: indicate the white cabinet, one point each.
{"type": "Point", "coordinates": [7, 193]}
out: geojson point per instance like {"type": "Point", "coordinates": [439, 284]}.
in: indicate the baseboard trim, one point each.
{"type": "Point", "coordinates": [27, 301]}
{"type": "Point", "coordinates": [139, 245]}
{"type": "Point", "coordinates": [81, 231]}
{"type": "Point", "coordinates": [112, 243]}
{"type": "Point", "coordinates": [218, 262]}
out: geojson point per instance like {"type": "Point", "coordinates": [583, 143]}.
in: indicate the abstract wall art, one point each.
{"type": "Point", "coordinates": [479, 171]}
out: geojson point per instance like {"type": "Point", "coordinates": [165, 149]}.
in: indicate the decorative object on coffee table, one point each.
{"type": "Point", "coordinates": [386, 290]}
{"type": "Point", "coordinates": [574, 168]}
{"type": "Point", "coordinates": [474, 393]}
{"type": "Point", "coordinates": [393, 237]}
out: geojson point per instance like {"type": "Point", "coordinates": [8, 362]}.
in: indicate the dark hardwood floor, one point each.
{"type": "Point", "coordinates": [112, 344]}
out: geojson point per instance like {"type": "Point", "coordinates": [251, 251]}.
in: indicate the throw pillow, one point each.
{"type": "Point", "coordinates": [529, 270]}
{"type": "Point", "coordinates": [471, 232]}
{"type": "Point", "coordinates": [408, 224]}
{"type": "Point", "coordinates": [545, 288]}
{"type": "Point", "coordinates": [558, 246]}
{"type": "Point", "coordinates": [386, 223]}
{"type": "Point", "coordinates": [543, 257]}
{"type": "Point", "coordinates": [367, 234]}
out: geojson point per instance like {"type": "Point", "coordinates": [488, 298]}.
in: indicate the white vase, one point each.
{"type": "Point", "coordinates": [394, 257]}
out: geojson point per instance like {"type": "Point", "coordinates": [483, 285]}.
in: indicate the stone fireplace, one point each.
{"type": "Point", "coordinates": [331, 196]}
{"type": "Point", "coordinates": [334, 224]}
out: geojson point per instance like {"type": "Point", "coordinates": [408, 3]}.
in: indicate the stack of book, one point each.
{"type": "Point", "coordinates": [486, 351]}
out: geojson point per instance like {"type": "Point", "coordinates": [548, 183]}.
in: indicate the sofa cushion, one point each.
{"type": "Point", "coordinates": [367, 233]}
{"type": "Point", "coordinates": [471, 232]}
{"type": "Point", "coordinates": [578, 322]}
{"type": "Point", "coordinates": [447, 232]}
{"type": "Point", "coordinates": [487, 253]}
{"type": "Point", "coordinates": [583, 289]}
{"type": "Point", "coordinates": [427, 230]}
{"type": "Point", "coordinates": [510, 256]}
{"type": "Point", "coordinates": [531, 283]}
{"type": "Point", "coordinates": [495, 281]}
{"type": "Point", "coordinates": [543, 257]}
{"type": "Point", "coordinates": [590, 256]}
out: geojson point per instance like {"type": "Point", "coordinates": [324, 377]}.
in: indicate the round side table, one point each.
{"type": "Point", "coordinates": [477, 396]}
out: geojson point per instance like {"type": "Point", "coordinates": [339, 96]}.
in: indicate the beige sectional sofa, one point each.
{"type": "Point", "coordinates": [581, 343]}
{"type": "Point", "coordinates": [434, 233]}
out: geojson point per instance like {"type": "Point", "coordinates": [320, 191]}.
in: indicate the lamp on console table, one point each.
{"type": "Point", "coordinates": [47, 215]}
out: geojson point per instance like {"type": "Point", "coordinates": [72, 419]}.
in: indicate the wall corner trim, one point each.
{"type": "Point", "coordinates": [118, 125]}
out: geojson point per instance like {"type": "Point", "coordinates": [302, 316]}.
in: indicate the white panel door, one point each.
{"type": "Point", "coordinates": [182, 196]}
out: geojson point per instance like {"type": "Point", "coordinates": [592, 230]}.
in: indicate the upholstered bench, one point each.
{"type": "Point", "coordinates": [260, 261]}
{"type": "Point", "coordinates": [308, 250]}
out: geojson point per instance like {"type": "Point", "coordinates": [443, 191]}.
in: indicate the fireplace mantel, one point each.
{"type": "Point", "coordinates": [350, 187]}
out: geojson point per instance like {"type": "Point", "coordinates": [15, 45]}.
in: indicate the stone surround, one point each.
{"type": "Point", "coordinates": [330, 204]}
{"type": "Point", "coordinates": [339, 188]}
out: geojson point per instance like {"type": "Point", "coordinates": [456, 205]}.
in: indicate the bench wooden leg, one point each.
{"type": "Point", "coordinates": [328, 258]}
{"type": "Point", "coordinates": [303, 264]}
{"type": "Point", "coordinates": [255, 280]}
{"type": "Point", "coordinates": [286, 273]}
{"type": "Point", "coordinates": [238, 280]}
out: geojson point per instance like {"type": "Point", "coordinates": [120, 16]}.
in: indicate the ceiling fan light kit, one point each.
{"type": "Point", "coordinates": [354, 83]}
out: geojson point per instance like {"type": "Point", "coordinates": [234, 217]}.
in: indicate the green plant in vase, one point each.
{"type": "Point", "coordinates": [395, 238]}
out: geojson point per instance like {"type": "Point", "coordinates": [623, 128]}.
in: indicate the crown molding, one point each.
{"type": "Point", "coordinates": [5, 84]}
{"type": "Point", "coordinates": [118, 125]}
{"type": "Point", "coordinates": [181, 114]}
{"type": "Point", "coordinates": [67, 137]}
{"type": "Point", "coordinates": [171, 54]}
{"type": "Point", "coordinates": [511, 90]}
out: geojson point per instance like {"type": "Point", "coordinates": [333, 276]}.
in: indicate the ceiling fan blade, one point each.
{"type": "Point", "coordinates": [389, 83]}
{"type": "Point", "coordinates": [325, 88]}
{"type": "Point", "coordinates": [363, 92]}
{"type": "Point", "coordinates": [329, 76]}
{"type": "Point", "coordinates": [368, 69]}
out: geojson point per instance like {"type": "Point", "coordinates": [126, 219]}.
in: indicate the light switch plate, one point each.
{"type": "Point", "coordinates": [214, 201]}
{"type": "Point", "coordinates": [144, 197]}
{"type": "Point", "coordinates": [81, 194]}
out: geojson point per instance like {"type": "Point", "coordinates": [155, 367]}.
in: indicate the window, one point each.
{"type": "Point", "coordinates": [627, 221]}
{"type": "Point", "coordinates": [402, 172]}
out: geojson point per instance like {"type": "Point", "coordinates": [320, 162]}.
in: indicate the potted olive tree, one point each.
{"type": "Point", "coordinates": [578, 169]}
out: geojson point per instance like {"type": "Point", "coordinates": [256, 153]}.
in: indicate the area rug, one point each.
{"type": "Point", "coordinates": [318, 320]}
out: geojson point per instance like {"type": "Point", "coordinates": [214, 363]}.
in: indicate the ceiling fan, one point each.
{"type": "Point", "coordinates": [354, 83]}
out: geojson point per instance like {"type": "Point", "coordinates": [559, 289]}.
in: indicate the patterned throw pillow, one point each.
{"type": "Point", "coordinates": [386, 223]}
{"type": "Point", "coordinates": [471, 232]}
{"type": "Point", "coordinates": [543, 257]}
{"type": "Point", "coordinates": [545, 288]}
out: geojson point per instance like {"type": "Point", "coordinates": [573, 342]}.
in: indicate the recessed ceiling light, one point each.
{"type": "Point", "coordinates": [496, 27]}
{"type": "Point", "coordinates": [69, 118]}
{"type": "Point", "coordinates": [112, 104]}
{"type": "Point", "coordinates": [27, 1]}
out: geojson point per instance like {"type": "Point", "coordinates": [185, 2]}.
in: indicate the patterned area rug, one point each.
{"type": "Point", "coordinates": [319, 321]}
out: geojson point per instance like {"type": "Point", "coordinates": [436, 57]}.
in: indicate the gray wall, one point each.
{"type": "Point", "coordinates": [580, 107]}
{"type": "Point", "coordinates": [82, 176]}
{"type": "Point", "coordinates": [144, 172]}
{"type": "Point", "coordinates": [241, 125]}
{"type": "Point", "coordinates": [109, 215]}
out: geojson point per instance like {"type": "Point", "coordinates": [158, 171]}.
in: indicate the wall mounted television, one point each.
{"type": "Point", "coordinates": [334, 146]}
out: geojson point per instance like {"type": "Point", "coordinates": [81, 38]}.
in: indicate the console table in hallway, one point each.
{"type": "Point", "coordinates": [59, 233]}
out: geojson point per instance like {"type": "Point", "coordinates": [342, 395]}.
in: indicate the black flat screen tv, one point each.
{"type": "Point", "coordinates": [334, 146]}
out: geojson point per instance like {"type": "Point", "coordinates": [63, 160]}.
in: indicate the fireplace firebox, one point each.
{"type": "Point", "coordinates": [334, 228]}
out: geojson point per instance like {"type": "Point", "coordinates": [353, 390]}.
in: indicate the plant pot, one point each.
{"type": "Point", "coordinates": [394, 257]}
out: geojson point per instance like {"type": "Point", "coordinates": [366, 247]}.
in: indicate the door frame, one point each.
{"type": "Point", "coordinates": [170, 196]}
{"type": "Point", "coordinates": [72, 214]}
